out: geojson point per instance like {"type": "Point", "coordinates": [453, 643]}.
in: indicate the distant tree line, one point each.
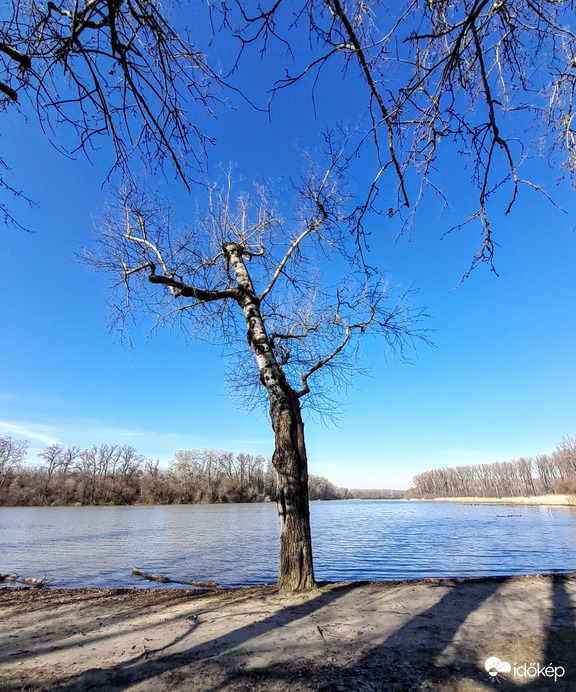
{"type": "Point", "coordinates": [374, 494]}
{"type": "Point", "coordinates": [545, 474]}
{"type": "Point", "coordinates": [112, 474]}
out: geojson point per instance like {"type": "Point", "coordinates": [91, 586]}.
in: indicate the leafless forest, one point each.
{"type": "Point", "coordinates": [117, 475]}
{"type": "Point", "coordinates": [112, 474]}
{"type": "Point", "coordinates": [545, 474]}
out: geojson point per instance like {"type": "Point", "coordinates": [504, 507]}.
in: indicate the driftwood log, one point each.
{"type": "Point", "coordinates": [8, 578]}
{"type": "Point", "coordinates": [208, 584]}
{"type": "Point", "coordinates": [27, 581]}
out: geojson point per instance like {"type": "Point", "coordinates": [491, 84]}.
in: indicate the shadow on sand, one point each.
{"type": "Point", "coordinates": [390, 665]}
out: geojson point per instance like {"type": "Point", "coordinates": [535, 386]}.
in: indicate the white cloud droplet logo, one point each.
{"type": "Point", "coordinates": [495, 666]}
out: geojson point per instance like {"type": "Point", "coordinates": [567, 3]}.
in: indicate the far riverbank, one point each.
{"type": "Point", "coordinates": [552, 500]}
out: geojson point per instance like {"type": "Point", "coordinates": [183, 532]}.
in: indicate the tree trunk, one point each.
{"type": "Point", "coordinates": [296, 572]}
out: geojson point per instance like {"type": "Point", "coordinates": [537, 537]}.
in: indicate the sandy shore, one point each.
{"type": "Point", "coordinates": [552, 500]}
{"type": "Point", "coordinates": [422, 635]}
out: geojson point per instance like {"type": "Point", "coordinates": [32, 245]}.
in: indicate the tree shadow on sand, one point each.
{"type": "Point", "coordinates": [559, 651]}
{"type": "Point", "coordinates": [408, 659]}
{"type": "Point", "coordinates": [392, 666]}
{"type": "Point", "coordinates": [122, 675]}
{"type": "Point", "coordinates": [388, 666]}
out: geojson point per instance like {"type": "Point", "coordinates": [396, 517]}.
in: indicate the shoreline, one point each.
{"type": "Point", "coordinates": [550, 500]}
{"type": "Point", "coordinates": [423, 634]}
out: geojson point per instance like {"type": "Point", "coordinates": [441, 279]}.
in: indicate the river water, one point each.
{"type": "Point", "coordinates": [238, 544]}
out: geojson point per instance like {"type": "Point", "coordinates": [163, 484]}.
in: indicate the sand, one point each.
{"type": "Point", "coordinates": [398, 636]}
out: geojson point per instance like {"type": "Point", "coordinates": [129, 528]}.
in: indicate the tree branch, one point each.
{"type": "Point", "coordinates": [180, 289]}
{"type": "Point", "coordinates": [356, 48]}
{"type": "Point", "coordinates": [321, 363]}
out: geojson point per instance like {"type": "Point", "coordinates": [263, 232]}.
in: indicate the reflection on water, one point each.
{"type": "Point", "coordinates": [238, 544]}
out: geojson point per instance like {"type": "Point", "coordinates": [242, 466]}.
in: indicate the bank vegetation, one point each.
{"type": "Point", "coordinates": [111, 474]}
{"type": "Point", "coordinates": [543, 475]}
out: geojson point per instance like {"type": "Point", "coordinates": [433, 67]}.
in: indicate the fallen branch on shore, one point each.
{"type": "Point", "coordinates": [8, 578]}
{"type": "Point", "coordinates": [27, 581]}
{"type": "Point", "coordinates": [207, 584]}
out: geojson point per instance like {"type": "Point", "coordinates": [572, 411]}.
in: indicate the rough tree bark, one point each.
{"type": "Point", "coordinates": [296, 571]}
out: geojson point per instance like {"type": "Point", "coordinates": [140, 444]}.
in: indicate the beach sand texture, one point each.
{"type": "Point", "coordinates": [398, 636]}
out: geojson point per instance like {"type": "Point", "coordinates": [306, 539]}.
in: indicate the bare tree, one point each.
{"type": "Point", "coordinates": [115, 69]}
{"type": "Point", "coordinates": [58, 462]}
{"type": "Point", "coordinates": [12, 455]}
{"type": "Point", "coordinates": [292, 292]}
{"type": "Point", "coordinates": [53, 457]}
{"type": "Point", "coordinates": [525, 467]}
{"type": "Point", "coordinates": [564, 457]}
{"type": "Point", "coordinates": [547, 473]}
{"type": "Point", "coordinates": [489, 82]}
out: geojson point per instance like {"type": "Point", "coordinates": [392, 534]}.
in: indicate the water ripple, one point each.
{"type": "Point", "coordinates": [238, 544]}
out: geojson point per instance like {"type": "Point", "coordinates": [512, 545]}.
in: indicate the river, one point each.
{"type": "Point", "coordinates": [237, 544]}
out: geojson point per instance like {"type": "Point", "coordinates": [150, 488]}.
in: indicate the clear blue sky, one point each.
{"type": "Point", "coordinates": [498, 384]}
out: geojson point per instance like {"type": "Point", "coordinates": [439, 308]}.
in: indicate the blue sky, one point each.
{"type": "Point", "coordinates": [498, 384]}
